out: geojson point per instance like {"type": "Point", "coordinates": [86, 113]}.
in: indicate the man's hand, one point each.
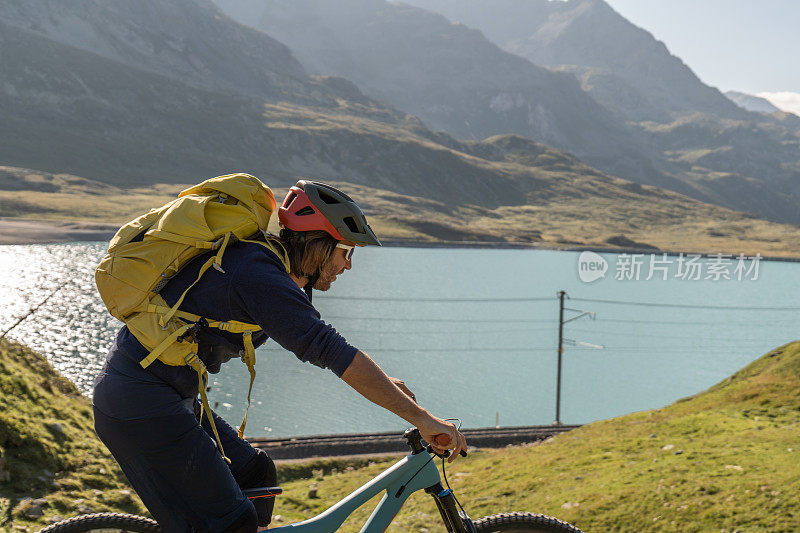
{"type": "Point", "coordinates": [436, 427]}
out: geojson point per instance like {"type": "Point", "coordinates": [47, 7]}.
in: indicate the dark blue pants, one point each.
{"type": "Point", "coordinates": [169, 456]}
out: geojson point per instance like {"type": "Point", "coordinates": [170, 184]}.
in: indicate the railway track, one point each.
{"type": "Point", "coordinates": [375, 443]}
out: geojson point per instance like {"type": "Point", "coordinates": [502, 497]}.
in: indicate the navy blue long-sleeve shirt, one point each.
{"type": "Point", "coordinates": [254, 288]}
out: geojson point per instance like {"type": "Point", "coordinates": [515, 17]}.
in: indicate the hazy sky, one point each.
{"type": "Point", "coordinates": [751, 46]}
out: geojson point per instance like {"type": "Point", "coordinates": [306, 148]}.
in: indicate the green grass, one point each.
{"type": "Point", "coordinates": [724, 460]}
{"type": "Point", "coordinates": [64, 463]}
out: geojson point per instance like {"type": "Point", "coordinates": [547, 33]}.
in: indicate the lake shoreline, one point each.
{"type": "Point", "coordinates": [18, 231]}
{"type": "Point", "coordinates": [33, 231]}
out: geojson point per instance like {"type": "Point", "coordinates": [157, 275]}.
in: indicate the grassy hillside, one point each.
{"type": "Point", "coordinates": [722, 460]}
{"type": "Point", "coordinates": [568, 205]}
{"type": "Point", "coordinates": [727, 459]}
{"type": "Point", "coordinates": [48, 448]}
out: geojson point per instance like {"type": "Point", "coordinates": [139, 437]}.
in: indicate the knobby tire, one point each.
{"type": "Point", "coordinates": [123, 523]}
{"type": "Point", "coordinates": [523, 523]}
{"type": "Point", "coordinates": [107, 522]}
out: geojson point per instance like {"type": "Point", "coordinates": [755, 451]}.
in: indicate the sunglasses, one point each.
{"type": "Point", "coordinates": [348, 250]}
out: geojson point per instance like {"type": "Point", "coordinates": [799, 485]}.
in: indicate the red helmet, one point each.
{"type": "Point", "coordinates": [311, 205]}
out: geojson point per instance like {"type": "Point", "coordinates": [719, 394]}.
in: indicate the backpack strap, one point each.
{"type": "Point", "coordinates": [202, 380]}
{"type": "Point", "coordinates": [275, 246]}
{"type": "Point", "coordinates": [215, 261]}
{"type": "Point", "coordinates": [166, 343]}
{"type": "Point", "coordinates": [249, 359]}
{"type": "Point", "coordinates": [232, 326]}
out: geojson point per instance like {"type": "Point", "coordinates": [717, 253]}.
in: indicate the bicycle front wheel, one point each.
{"type": "Point", "coordinates": [105, 522]}
{"type": "Point", "coordinates": [523, 523]}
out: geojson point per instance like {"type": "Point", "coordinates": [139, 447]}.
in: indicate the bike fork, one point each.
{"type": "Point", "coordinates": [455, 520]}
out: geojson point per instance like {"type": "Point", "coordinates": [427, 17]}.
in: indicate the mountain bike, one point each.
{"type": "Point", "coordinates": [416, 471]}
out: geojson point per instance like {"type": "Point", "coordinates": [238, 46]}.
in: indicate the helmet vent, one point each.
{"type": "Point", "coordinates": [351, 224]}
{"type": "Point", "coordinates": [307, 210]}
{"type": "Point", "coordinates": [289, 199]}
{"type": "Point", "coordinates": [327, 198]}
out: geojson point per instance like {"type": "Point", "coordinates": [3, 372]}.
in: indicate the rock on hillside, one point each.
{"type": "Point", "coordinates": [51, 462]}
{"type": "Point", "coordinates": [449, 75]}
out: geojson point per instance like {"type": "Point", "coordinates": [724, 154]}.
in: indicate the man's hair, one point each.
{"type": "Point", "coordinates": [308, 251]}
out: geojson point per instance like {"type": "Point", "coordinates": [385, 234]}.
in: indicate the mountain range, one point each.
{"type": "Point", "coordinates": [729, 156]}
{"type": "Point", "coordinates": [136, 93]}
{"type": "Point", "coordinates": [451, 77]}
{"type": "Point", "coordinates": [91, 101]}
{"type": "Point", "coordinates": [619, 64]}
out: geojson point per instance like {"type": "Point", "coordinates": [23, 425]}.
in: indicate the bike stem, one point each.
{"type": "Point", "coordinates": [455, 521]}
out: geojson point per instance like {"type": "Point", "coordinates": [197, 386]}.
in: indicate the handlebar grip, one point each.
{"type": "Point", "coordinates": [443, 439]}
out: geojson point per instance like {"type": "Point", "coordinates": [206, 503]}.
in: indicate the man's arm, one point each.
{"type": "Point", "coordinates": [367, 378]}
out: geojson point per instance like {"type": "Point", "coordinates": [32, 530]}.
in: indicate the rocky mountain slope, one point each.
{"type": "Point", "coordinates": [729, 156]}
{"type": "Point", "coordinates": [621, 65]}
{"type": "Point", "coordinates": [450, 76]}
{"type": "Point", "coordinates": [185, 40]}
{"type": "Point", "coordinates": [91, 92]}
{"type": "Point", "coordinates": [70, 110]}
{"type": "Point", "coordinates": [126, 119]}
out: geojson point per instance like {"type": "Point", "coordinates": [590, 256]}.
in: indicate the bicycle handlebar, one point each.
{"type": "Point", "coordinates": [443, 439]}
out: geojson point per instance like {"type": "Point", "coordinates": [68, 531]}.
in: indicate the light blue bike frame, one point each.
{"type": "Point", "coordinates": [415, 471]}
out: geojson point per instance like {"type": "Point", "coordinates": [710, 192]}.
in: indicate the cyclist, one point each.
{"type": "Point", "coordinates": [150, 418]}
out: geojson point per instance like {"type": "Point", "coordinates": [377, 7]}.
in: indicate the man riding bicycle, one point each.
{"type": "Point", "coordinates": [150, 417]}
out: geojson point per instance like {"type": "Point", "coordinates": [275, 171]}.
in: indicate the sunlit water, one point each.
{"type": "Point", "coordinates": [470, 359]}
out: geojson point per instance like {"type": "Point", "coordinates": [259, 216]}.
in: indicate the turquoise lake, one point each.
{"type": "Point", "coordinates": [473, 332]}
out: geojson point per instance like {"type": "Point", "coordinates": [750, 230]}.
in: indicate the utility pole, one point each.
{"type": "Point", "coordinates": [561, 295]}
{"type": "Point", "coordinates": [562, 340]}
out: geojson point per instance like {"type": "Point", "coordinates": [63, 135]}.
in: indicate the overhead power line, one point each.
{"type": "Point", "coordinates": [35, 308]}
{"type": "Point", "coordinates": [444, 332]}
{"type": "Point", "coordinates": [605, 351]}
{"type": "Point", "coordinates": [437, 300]}
{"type": "Point", "coordinates": [456, 320]}
{"type": "Point", "coordinates": [686, 306]}
{"type": "Point", "coordinates": [649, 349]}
{"type": "Point", "coordinates": [696, 322]}
{"type": "Point", "coordinates": [456, 349]}
{"type": "Point", "coordinates": [656, 336]}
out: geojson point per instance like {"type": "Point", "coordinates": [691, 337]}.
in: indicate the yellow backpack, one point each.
{"type": "Point", "coordinates": [146, 252]}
